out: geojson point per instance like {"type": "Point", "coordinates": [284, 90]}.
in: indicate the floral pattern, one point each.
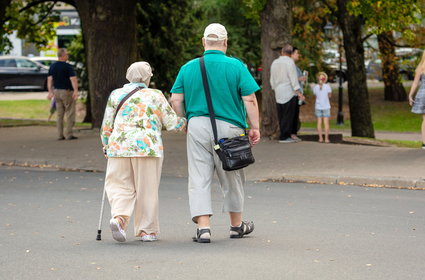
{"type": "Point", "coordinates": [136, 131]}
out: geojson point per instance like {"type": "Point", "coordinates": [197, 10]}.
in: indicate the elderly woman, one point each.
{"type": "Point", "coordinates": [131, 138]}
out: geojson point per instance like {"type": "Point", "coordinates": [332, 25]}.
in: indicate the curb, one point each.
{"type": "Point", "coordinates": [47, 166]}
{"type": "Point", "coordinates": [380, 182]}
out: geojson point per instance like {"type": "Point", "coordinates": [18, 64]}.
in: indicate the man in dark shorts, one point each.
{"type": "Point", "coordinates": [63, 85]}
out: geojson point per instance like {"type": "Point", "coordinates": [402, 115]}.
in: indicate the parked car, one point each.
{"type": "Point", "coordinates": [334, 73]}
{"type": "Point", "coordinates": [408, 59]}
{"type": "Point", "coordinates": [17, 72]}
{"type": "Point", "coordinates": [46, 61]}
{"type": "Point", "coordinates": [374, 70]}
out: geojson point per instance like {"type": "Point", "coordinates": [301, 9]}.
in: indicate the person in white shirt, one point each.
{"type": "Point", "coordinates": [302, 79]}
{"type": "Point", "coordinates": [284, 82]}
{"type": "Point", "coordinates": [323, 92]}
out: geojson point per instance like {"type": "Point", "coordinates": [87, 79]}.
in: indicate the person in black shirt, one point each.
{"type": "Point", "coordinates": [63, 85]}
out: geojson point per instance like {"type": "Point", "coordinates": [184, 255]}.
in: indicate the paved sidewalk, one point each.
{"type": "Point", "coordinates": [304, 162]}
{"type": "Point", "coordinates": [382, 135]}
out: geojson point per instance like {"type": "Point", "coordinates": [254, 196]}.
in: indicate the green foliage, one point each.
{"type": "Point", "coordinates": [77, 55]}
{"type": "Point", "coordinates": [253, 8]}
{"type": "Point", "coordinates": [169, 34]}
{"type": "Point", "coordinates": [389, 15]}
{"type": "Point", "coordinates": [307, 35]}
{"type": "Point", "coordinates": [32, 23]}
{"type": "Point", "coordinates": [244, 32]}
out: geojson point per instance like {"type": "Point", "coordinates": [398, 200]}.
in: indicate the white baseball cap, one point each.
{"type": "Point", "coordinates": [215, 29]}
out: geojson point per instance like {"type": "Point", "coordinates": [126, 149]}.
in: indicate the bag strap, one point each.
{"type": "Point", "coordinates": [208, 96]}
{"type": "Point", "coordinates": [125, 99]}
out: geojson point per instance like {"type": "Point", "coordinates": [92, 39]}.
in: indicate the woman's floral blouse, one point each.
{"type": "Point", "coordinates": [137, 128]}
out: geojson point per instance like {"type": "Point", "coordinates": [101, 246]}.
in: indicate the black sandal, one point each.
{"type": "Point", "coordinates": [199, 233]}
{"type": "Point", "coordinates": [244, 229]}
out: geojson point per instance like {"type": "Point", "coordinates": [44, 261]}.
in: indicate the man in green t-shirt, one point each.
{"type": "Point", "coordinates": [233, 97]}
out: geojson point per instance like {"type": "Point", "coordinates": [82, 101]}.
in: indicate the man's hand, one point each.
{"type": "Point", "coordinates": [50, 95]}
{"type": "Point", "coordinates": [300, 96]}
{"type": "Point", "coordinates": [75, 95]}
{"type": "Point", "coordinates": [254, 136]}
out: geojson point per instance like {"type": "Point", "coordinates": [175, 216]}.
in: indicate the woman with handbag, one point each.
{"type": "Point", "coordinates": [131, 138]}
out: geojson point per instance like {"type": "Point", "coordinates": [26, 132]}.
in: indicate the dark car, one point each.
{"type": "Point", "coordinates": [21, 73]}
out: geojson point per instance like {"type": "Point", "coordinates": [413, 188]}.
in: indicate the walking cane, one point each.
{"type": "Point", "coordinates": [99, 229]}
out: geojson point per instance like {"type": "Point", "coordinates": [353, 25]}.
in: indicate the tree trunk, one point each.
{"type": "Point", "coordinates": [3, 5]}
{"type": "Point", "coordinates": [358, 96]}
{"type": "Point", "coordinates": [88, 117]}
{"type": "Point", "coordinates": [394, 90]}
{"type": "Point", "coordinates": [109, 29]}
{"type": "Point", "coordinates": [276, 26]}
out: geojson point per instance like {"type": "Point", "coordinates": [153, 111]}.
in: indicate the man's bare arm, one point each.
{"type": "Point", "coordinates": [251, 106]}
{"type": "Point", "coordinates": [176, 101]}
{"type": "Point", "coordinates": [74, 83]}
{"type": "Point", "coordinates": [50, 87]}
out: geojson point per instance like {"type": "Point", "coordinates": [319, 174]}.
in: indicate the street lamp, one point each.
{"type": "Point", "coordinates": [330, 30]}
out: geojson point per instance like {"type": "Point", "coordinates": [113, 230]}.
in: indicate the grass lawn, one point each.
{"type": "Point", "coordinates": [386, 115]}
{"type": "Point", "coordinates": [30, 112]}
{"type": "Point", "coordinates": [25, 109]}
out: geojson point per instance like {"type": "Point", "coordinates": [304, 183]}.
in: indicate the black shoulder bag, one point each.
{"type": "Point", "coordinates": [235, 153]}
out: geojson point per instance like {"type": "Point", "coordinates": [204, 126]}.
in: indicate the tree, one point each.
{"type": "Point", "coordinates": [393, 90]}
{"type": "Point", "coordinates": [308, 36]}
{"type": "Point", "coordinates": [169, 40]}
{"type": "Point", "coordinates": [276, 27]}
{"type": "Point", "coordinates": [77, 53]}
{"type": "Point", "coordinates": [358, 95]}
{"type": "Point", "coordinates": [109, 31]}
{"type": "Point", "coordinates": [32, 22]}
{"type": "Point", "coordinates": [383, 18]}
{"type": "Point", "coordinates": [3, 5]}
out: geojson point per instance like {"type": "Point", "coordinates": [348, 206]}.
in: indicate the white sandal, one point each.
{"type": "Point", "coordinates": [149, 238]}
{"type": "Point", "coordinates": [117, 232]}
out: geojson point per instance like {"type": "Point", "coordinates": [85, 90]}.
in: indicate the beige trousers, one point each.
{"type": "Point", "coordinates": [65, 106]}
{"type": "Point", "coordinates": [132, 185]}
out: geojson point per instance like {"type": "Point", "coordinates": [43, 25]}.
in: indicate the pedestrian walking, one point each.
{"type": "Point", "coordinates": [284, 82]}
{"type": "Point", "coordinates": [302, 79]}
{"type": "Point", "coordinates": [323, 92]}
{"type": "Point", "coordinates": [418, 102]}
{"type": "Point", "coordinates": [62, 84]}
{"type": "Point", "coordinates": [131, 138]}
{"type": "Point", "coordinates": [233, 97]}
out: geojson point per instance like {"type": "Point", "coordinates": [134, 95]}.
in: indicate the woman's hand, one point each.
{"type": "Point", "coordinates": [411, 100]}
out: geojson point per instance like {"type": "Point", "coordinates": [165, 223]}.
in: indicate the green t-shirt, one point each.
{"type": "Point", "coordinates": [228, 79]}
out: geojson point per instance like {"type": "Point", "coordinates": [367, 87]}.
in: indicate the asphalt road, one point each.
{"type": "Point", "coordinates": [48, 227]}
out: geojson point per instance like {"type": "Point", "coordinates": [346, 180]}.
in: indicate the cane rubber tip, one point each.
{"type": "Point", "coordinates": [99, 232]}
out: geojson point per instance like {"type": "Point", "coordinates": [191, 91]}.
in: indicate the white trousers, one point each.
{"type": "Point", "coordinates": [132, 185]}
{"type": "Point", "coordinates": [203, 161]}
